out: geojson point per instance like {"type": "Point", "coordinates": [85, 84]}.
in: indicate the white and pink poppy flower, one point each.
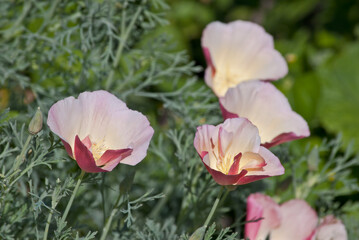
{"type": "Point", "coordinates": [294, 219]}
{"type": "Point", "coordinates": [99, 131]}
{"type": "Point", "coordinates": [268, 109]}
{"type": "Point", "coordinates": [330, 228]}
{"type": "Point", "coordinates": [239, 51]}
{"type": "Point", "coordinates": [232, 154]}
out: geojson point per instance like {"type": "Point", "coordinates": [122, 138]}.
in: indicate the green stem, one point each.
{"type": "Point", "coordinates": [103, 197]}
{"type": "Point", "coordinates": [224, 197]}
{"type": "Point", "coordinates": [124, 35]}
{"type": "Point", "coordinates": [72, 196]}
{"type": "Point", "coordinates": [48, 224]}
{"type": "Point", "coordinates": [109, 221]}
{"type": "Point", "coordinates": [213, 207]}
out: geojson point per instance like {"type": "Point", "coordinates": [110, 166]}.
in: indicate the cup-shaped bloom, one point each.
{"type": "Point", "coordinates": [294, 219]}
{"type": "Point", "coordinates": [239, 51]}
{"type": "Point", "coordinates": [330, 228]}
{"type": "Point", "coordinates": [267, 108]}
{"type": "Point", "coordinates": [99, 131]}
{"type": "Point", "coordinates": [232, 154]}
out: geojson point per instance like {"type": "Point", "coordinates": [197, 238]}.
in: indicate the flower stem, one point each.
{"type": "Point", "coordinates": [72, 196]}
{"type": "Point", "coordinates": [48, 224]}
{"type": "Point", "coordinates": [109, 221]}
{"type": "Point", "coordinates": [224, 197]}
{"type": "Point", "coordinates": [214, 207]}
{"type": "Point", "coordinates": [103, 197]}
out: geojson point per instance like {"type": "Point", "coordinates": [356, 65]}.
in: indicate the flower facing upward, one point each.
{"type": "Point", "coordinates": [268, 109]}
{"type": "Point", "coordinates": [99, 131]}
{"type": "Point", "coordinates": [232, 154]}
{"type": "Point", "coordinates": [239, 51]}
{"type": "Point", "coordinates": [294, 220]}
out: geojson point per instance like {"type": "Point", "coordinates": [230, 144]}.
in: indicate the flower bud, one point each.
{"type": "Point", "coordinates": [198, 234]}
{"type": "Point", "coordinates": [313, 160]}
{"type": "Point", "coordinates": [35, 125]}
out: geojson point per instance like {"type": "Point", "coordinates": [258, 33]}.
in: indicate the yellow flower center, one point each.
{"type": "Point", "coordinates": [225, 163]}
{"type": "Point", "coordinates": [98, 149]}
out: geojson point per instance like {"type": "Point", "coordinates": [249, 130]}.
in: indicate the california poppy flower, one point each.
{"type": "Point", "coordinates": [99, 131]}
{"type": "Point", "coordinates": [239, 51]}
{"type": "Point", "coordinates": [268, 109]}
{"type": "Point", "coordinates": [232, 154]}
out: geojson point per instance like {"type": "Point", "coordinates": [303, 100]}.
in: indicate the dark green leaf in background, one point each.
{"type": "Point", "coordinates": [339, 103]}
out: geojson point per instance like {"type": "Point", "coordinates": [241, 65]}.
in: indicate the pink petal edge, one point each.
{"type": "Point", "coordinates": [284, 137]}
{"type": "Point", "coordinates": [84, 158]}
{"type": "Point", "coordinates": [226, 114]}
{"type": "Point", "coordinates": [67, 148]}
{"type": "Point", "coordinates": [235, 166]}
{"type": "Point", "coordinates": [261, 89]}
{"type": "Point", "coordinates": [110, 155]}
{"type": "Point", "coordinates": [207, 56]}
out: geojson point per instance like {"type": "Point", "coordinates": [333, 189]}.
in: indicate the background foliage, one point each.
{"type": "Point", "coordinates": [136, 49]}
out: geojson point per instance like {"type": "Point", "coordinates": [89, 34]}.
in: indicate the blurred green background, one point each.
{"type": "Point", "coordinates": [318, 38]}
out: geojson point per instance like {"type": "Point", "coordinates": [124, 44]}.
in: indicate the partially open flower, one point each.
{"type": "Point", "coordinates": [267, 108]}
{"type": "Point", "coordinates": [232, 154]}
{"type": "Point", "coordinates": [99, 131]}
{"type": "Point", "coordinates": [239, 51]}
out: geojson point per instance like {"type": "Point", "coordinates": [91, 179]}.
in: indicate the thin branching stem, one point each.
{"type": "Point", "coordinates": [109, 221]}
{"type": "Point", "coordinates": [103, 197]}
{"type": "Point", "coordinates": [48, 224]}
{"type": "Point", "coordinates": [72, 196]}
{"type": "Point", "coordinates": [214, 207]}
{"type": "Point", "coordinates": [224, 196]}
